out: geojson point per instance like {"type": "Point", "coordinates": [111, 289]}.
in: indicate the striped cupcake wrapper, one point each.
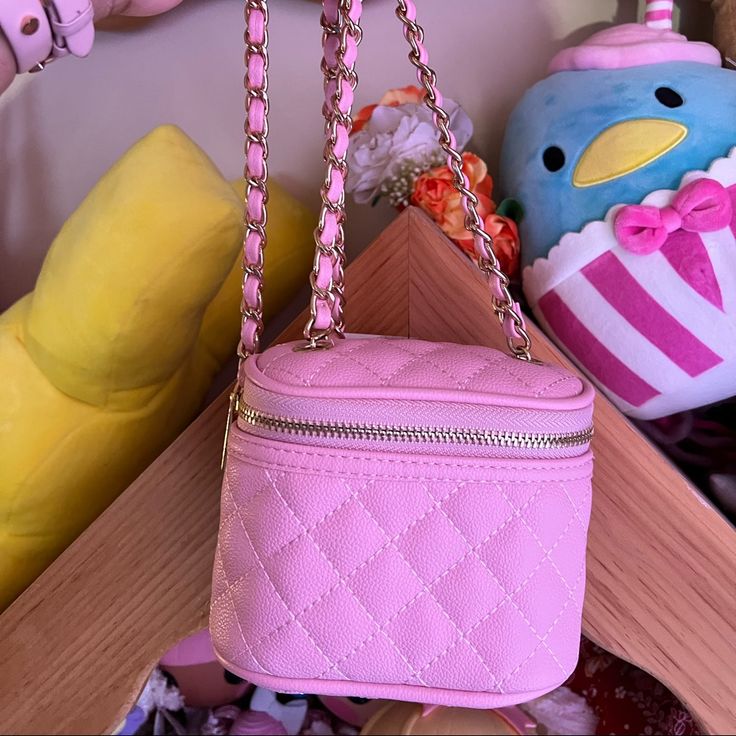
{"type": "Point", "coordinates": [656, 332]}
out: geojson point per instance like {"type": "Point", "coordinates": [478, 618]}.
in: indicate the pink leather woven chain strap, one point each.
{"type": "Point", "coordinates": [256, 174]}
{"type": "Point", "coordinates": [340, 82]}
{"type": "Point", "coordinates": [327, 278]}
{"type": "Point", "coordinates": [340, 54]}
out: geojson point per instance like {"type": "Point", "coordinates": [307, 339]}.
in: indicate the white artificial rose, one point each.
{"type": "Point", "coordinates": [396, 135]}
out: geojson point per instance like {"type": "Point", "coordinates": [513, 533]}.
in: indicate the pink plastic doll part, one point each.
{"type": "Point", "coordinates": [201, 679]}
{"type": "Point", "coordinates": [101, 9]}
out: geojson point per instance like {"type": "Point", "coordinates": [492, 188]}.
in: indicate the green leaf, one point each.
{"type": "Point", "coordinates": [512, 209]}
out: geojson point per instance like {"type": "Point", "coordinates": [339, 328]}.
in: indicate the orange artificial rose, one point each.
{"type": "Point", "coordinates": [392, 98]}
{"type": "Point", "coordinates": [506, 242]}
{"type": "Point", "coordinates": [402, 96]}
{"type": "Point", "coordinates": [435, 193]}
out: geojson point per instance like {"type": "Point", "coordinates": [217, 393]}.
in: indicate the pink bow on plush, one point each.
{"type": "Point", "coordinates": [703, 206]}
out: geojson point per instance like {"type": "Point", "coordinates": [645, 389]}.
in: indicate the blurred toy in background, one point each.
{"type": "Point", "coordinates": [563, 712]}
{"type": "Point", "coordinates": [703, 444]}
{"type": "Point", "coordinates": [288, 710]}
{"type": "Point", "coordinates": [274, 714]}
{"type": "Point", "coordinates": [255, 723]}
{"type": "Point", "coordinates": [355, 711]}
{"type": "Point", "coordinates": [605, 695]}
{"type": "Point", "coordinates": [196, 671]}
{"type": "Point", "coordinates": [427, 720]}
{"type": "Point", "coordinates": [155, 710]}
{"type": "Point", "coordinates": [395, 153]}
{"type": "Point", "coordinates": [621, 698]}
{"type": "Point", "coordinates": [723, 490]}
{"type": "Point", "coordinates": [111, 356]}
{"type": "Point", "coordinates": [724, 28]}
{"type": "Point", "coordinates": [643, 297]}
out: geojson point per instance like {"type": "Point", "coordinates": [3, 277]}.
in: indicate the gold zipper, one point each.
{"type": "Point", "coordinates": [232, 412]}
{"type": "Point", "coordinates": [438, 435]}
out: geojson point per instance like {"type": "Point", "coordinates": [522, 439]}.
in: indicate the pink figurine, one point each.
{"type": "Point", "coordinates": [201, 679]}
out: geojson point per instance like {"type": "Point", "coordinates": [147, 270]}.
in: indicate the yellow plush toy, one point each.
{"type": "Point", "coordinates": [108, 359]}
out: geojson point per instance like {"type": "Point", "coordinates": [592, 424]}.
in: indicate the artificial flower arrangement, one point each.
{"type": "Point", "coordinates": [395, 153]}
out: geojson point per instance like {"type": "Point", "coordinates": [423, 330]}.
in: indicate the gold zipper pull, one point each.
{"type": "Point", "coordinates": [232, 414]}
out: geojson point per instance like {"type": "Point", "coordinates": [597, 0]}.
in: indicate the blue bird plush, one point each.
{"type": "Point", "coordinates": [585, 139]}
{"type": "Point", "coordinates": [623, 163]}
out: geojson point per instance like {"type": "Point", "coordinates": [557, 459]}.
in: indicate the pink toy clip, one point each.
{"type": "Point", "coordinates": [40, 32]}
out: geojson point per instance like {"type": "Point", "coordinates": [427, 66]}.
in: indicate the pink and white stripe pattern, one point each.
{"type": "Point", "coordinates": [659, 14]}
{"type": "Point", "coordinates": [656, 332]}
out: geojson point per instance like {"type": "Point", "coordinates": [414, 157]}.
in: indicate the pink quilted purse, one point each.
{"type": "Point", "coordinates": [400, 519]}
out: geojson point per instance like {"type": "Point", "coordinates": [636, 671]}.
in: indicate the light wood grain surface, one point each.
{"type": "Point", "coordinates": [78, 645]}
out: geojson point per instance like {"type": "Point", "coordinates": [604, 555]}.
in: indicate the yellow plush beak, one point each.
{"type": "Point", "coordinates": [626, 147]}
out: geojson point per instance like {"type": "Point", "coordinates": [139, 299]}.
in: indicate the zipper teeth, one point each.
{"type": "Point", "coordinates": [439, 435]}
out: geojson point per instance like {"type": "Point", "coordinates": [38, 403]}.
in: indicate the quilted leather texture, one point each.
{"type": "Point", "coordinates": [404, 363]}
{"type": "Point", "coordinates": [456, 581]}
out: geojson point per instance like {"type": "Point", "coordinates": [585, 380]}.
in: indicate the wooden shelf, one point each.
{"type": "Point", "coordinates": [80, 642]}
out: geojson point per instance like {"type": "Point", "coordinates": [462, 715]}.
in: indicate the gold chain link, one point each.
{"type": "Point", "coordinates": [333, 296]}
{"type": "Point", "coordinates": [255, 225]}
{"type": "Point", "coordinates": [505, 305]}
{"type": "Point", "coordinates": [252, 313]}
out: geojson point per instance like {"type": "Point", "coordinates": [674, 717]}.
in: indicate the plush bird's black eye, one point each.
{"type": "Point", "coordinates": [554, 158]}
{"type": "Point", "coordinates": [668, 97]}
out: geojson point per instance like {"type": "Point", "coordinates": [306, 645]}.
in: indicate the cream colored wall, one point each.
{"type": "Point", "coordinates": [60, 130]}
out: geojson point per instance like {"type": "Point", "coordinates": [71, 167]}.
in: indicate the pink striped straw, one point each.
{"type": "Point", "coordinates": [659, 14]}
